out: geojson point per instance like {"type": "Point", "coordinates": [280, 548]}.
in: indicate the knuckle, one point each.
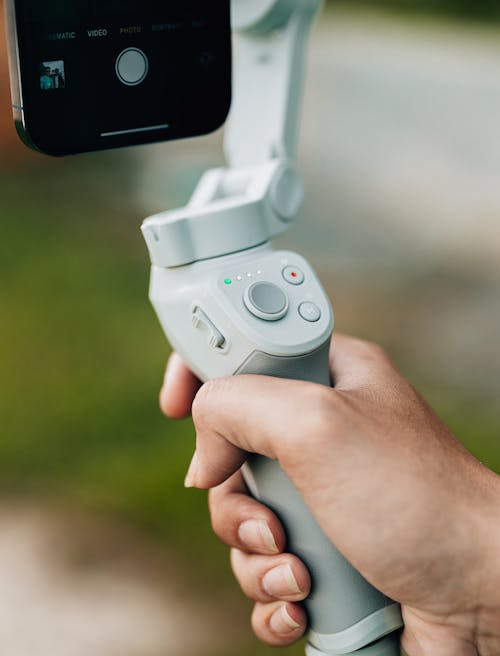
{"type": "Point", "coordinates": [223, 517]}
{"type": "Point", "coordinates": [208, 399]}
{"type": "Point", "coordinates": [260, 625]}
{"type": "Point", "coordinates": [217, 520]}
{"type": "Point", "coordinates": [318, 403]}
{"type": "Point", "coordinates": [361, 347]}
{"type": "Point", "coordinates": [327, 426]}
{"type": "Point", "coordinates": [202, 402]}
{"type": "Point", "coordinates": [371, 350]}
{"type": "Point", "coordinates": [256, 620]}
{"type": "Point", "coordinates": [246, 578]}
{"type": "Point", "coordinates": [214, 503]}
{"type": "Point", "coordinates": [236, 558]}
{"type": "Point", "coordinates": [249, 572]}
{"type": "Point", "coordinates": [377, 351]}
{"type": "Point", "coordinates": [323, 412]}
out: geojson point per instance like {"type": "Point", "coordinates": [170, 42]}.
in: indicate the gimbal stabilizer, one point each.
{"type": "Point", "coordinates": [230, 304]}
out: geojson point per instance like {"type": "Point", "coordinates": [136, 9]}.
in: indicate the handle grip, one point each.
{"type": "Point", "coordinates": [346, 613]}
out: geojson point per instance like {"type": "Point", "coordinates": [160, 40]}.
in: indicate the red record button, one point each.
{"type": "Point", "coordinates": [293, 275]}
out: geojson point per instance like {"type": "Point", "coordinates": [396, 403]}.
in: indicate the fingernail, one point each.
{"type": "Point", "coordinates": [282, 622]}
{"type": "Point", "coordinates": [256, 535]}
{"type": "Point", "coordinates": [191, 476]}
{"type": "Point", "coordinates": [280, 582]}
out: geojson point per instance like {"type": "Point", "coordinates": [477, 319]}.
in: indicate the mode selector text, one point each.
{"type": "Point", "coordinates": [95, 34]}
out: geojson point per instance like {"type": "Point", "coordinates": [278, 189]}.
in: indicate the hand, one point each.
{"type": "Point", "coordinates": [406, 504]}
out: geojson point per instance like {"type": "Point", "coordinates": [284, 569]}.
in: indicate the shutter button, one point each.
{"type": "Point", "coordinates": [132, 66]}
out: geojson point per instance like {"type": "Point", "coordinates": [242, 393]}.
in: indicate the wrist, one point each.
{"type": "Point", "coordinates": [487, 532]}
{"type": "Point", "coordinates": [467, 622]}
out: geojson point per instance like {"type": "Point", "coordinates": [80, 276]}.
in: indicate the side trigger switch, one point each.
{"type": "Point", "coordinates": [200, 320]}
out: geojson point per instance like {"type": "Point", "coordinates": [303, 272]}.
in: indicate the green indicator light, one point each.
{"type": "Point", "coordinates": [228, 281]}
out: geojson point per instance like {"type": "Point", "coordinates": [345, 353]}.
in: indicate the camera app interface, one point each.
{"type": "Point", "coordinates": [104, 73]}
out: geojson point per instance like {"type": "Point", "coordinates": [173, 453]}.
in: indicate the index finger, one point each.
{"type": "Point", "coordinates": [270, 416]}
{"type": "Point", "coordinates": [251, 414]}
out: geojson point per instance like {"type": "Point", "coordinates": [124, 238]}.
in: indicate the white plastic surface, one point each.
{"type": "Point", "coordinates": [389, 646]}
{"type": "Point", "coordinates": [260, 16]}
{"type": "Point", "coordinates": [370, 629]}
{"type": "Point", "coordinates": [230, 211]}
{"type": "Point", "coordinates": [268, 80]}
{"type": "Point", "coordinates": [252, 201]}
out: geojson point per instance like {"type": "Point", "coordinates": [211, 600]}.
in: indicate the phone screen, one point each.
{"type": "Point", "coordinates": [99, 74]}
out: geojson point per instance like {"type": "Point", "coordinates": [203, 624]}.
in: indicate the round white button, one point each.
{"type": "Point", "coordinates": [132, 66]}
{"type": "Point", "coordinates": [310, 312]}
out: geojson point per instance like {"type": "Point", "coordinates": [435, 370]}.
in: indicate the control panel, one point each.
{"type": "Point", "coordinates": [277, 300]}
{"type": "Point", "coordinates": [219, 312]}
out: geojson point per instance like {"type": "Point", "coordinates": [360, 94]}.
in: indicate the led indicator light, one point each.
{"type": "Point", "coordinates": [294, 274]}
{"type": "Point", "coordinates": [228, 281]}
{"type": "Point", "coordinates": [239, 278]}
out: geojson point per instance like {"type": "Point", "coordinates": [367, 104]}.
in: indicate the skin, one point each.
{"type": "Point", "coordinates": [390, 485]}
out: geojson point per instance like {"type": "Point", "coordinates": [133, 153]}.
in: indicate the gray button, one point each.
{"type": "Point", "coordinates": [132, 66]}
{"type": "Point", "coordinates": [266, 301]}
{"type": "Point", "coordinates": [293, 275]}
{"type": "Point", "coordinates": [310, 312]}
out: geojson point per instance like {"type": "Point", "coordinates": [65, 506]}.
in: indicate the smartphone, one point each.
{"type": "Point", "coordinates": [90, 75]}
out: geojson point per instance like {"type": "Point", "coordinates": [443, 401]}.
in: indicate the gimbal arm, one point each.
{"type": "Point", "coordinates": [271, 51]}
{"type": "Point", "coordinates": [260, 192]}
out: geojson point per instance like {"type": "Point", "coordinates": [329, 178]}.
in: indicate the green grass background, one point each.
{"type": "Point", "coordinates": [82, 359]}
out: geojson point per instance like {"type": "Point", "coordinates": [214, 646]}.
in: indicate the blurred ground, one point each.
{"type": "Point", "coordinates": [74, 585]}
{"type": "Point", "coordinates": [401, 154]}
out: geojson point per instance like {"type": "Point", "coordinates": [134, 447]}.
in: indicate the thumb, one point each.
{"type": "Point", "coordinates": [248, 414]}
